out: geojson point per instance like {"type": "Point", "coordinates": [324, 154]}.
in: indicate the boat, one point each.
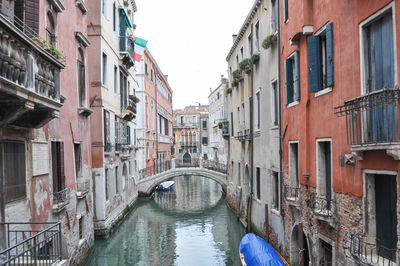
{"type": "Point", "coordinates": [167, 185]}
{"type": "Point", "coordinates": [255, 251]}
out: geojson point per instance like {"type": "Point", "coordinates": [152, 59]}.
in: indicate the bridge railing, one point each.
{"type": "Point", "coordinates": [155, 169]}
{"type": "Point", "coordinates": [179, 163]}
{"type": "Point", "coordinates": [215, 166]}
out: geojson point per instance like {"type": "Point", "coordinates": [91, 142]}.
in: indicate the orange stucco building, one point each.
{"type": "Point", "coordinates": [339, 121]}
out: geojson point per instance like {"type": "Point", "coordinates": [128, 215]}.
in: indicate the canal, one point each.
{"type": "Point", "coordinates": [190, 225]}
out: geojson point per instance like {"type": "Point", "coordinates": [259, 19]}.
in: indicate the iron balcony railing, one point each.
{"type": "Point", "coordinates": [323, 206]}
{"type": "Point", "coordinates": [225, 129]}
{"type": "Point", "coordinates": [83, 187]}
{"type": "Point", "coordinates": [189, 144]}
{"type": "Point", "coordinates": [368, 253]}
{"type": "Point", "coordinates": [60, 199]}
{"type": "Point", "coordinates": [32, 247]}
{"type": "Point", "coordinates": [243, 135]}
{"type": "Point", "coordinates": [126, 45]}
{"type": "Point", "coordinates": [155, 169]}
{"type": "Point", "coordinates": [372, 118]}
{"type": "Point", "coordinates": [192, 162]}
{"type": "Point", "coordinates": [292, 193]}
{"type": "Point", "coordinates": [215, 166]}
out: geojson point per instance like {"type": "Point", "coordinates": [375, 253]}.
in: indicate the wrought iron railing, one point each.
{"type": "Point", "coordinates": [225, 129]}
{"type": "Point", "coordinates": [126, 45]}
{"type": "Point", "coordinates": [369, 253]}
{"type": "Point", "coordinates": [32, 247]}
{"type": "Point", "coordinates": [372, 118]}
{"type": "Point", "coordinates": [193, 162]}
{"type": "Point", "coordinates": [155, 169]}
{"type": "Point", "coordinates": [215, 166]}
{"type": "Point", "coordinates": [189, 144]}
{"type": "Point", "coordinates": [83, 187]}
{"type": "Point", "coordinates": [323, 206]}
{"type": "Point", "coordinates": [292, 192]}
{"type": "Point", "coordinates": [61, 198]}
{"type": "Point", "coordinates": [243, 135]}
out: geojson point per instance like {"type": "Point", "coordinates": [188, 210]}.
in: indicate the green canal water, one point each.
{"type": "Point", "coordinates": [190, 225]}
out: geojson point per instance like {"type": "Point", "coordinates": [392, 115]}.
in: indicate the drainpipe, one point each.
{"type": "Point", "coordinates": [280, 110]}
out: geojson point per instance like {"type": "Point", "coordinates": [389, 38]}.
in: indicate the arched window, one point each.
{"type": "Point", "coordinates": [81, 78]}
{"type": "Point", "coordinates": [50, 29]}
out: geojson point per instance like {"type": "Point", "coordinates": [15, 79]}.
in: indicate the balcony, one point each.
{"type": "Point", "coordinates": [324, 209]}
{"type": "Point", "coordinates": [225, 130]}
{"type": "Point", "coordinates": [372, 121]}
{"type": "Point", "coordinates": [243, 135]}
{"type": "Point", "coordinates": [60, 200]}
{"type": "Point", "coordinates": [371, 252]}
{"type": "Point", "coordinates": [186, 125]}
{"type": "Point", "coordinates": [190, 144]}
{"type": "Point", "coordinates": [292, 194]}
{"type": "Point", "coordinates": [129, 113]}
{"type": "Point", "coordinates": [27, 246]}
{"type": "Point", "coordinates": [83, 188]}
{"type": "Point", "coordinates": [29, 79]}
{"type": "Point", "coordinates": [126, 51]}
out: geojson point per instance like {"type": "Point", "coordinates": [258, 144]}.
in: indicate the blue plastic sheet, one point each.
{"type": "Point", "coordinates": [257, 252]}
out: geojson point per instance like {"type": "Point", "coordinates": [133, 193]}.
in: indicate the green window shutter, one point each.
{"type": "Point", "coordinates": [314, 64]}
{"type": "Point", "coordinates": [288, 81]}
{"type": "Point", "coordinates": [296, 78]}
{"type": "Point", "coordinates": [329, 55]}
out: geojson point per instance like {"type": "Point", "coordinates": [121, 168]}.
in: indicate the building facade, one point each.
{"type": "Point", "coordinates": [154, 122]}
{"type": "Point", "coordinates": [340, 67]}
{"type": "Point", "coordinates": [253, 109]}
{"type": "Point", "coordinates": [45, 147]}
{"type": "Point", "coordinates": [113, 100]}
{"type": "Point", "coordinates": [218, 123]}
{"type": "Point", "coordinates": [188, 131]}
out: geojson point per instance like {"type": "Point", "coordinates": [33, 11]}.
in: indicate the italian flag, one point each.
{"type": "Point", "coordinates": [140, 45]}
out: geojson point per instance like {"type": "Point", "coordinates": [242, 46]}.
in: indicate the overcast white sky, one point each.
{"type": "Point", "coordinates": [190, 41]}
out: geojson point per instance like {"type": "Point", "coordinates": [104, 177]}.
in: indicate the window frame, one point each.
{"type": "Point", "coordinates": [319, 177]}
{"type": "Point", "coordinates": [296, 90]}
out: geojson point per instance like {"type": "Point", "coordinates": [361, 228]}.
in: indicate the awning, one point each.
{"type": "Point", "coordinates": [128, 24]}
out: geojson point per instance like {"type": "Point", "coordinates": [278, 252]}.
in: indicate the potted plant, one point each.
{"type": "Point", "coordinates": [126, 3]}
{"type": "Point", "coordinates": [237, 75]}
{"type": "Point", "coordinates": [245, 65]}
{"type": "Point", "coordinates": [269, 41]}
{"type": "Point", "coordinates": [255, 58]}
{"type": "Point", "coordinates": [136, 99]}
{"type": "Point", "coordinates": [129, 11]}
{"type": "Point", "coordinates": [228, 90]}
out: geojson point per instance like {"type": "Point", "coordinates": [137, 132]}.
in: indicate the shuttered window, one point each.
{"type": "Point", "coordinates": [28, 12]}
{"type": "Point", "coordinates": [107, 137]}
{"type": "Point", "coordinates": [286, 10]}
{"type": "Point", "coordinates": [321, 60]}
{"type": "Point", "coordinates": [57, 155]}
{"type": "Point", "coordinates": [292, 78]}
{"type": "Point", "coordinates": [13, 169]}
{"type": "Point", "coordinates": [81, 78]}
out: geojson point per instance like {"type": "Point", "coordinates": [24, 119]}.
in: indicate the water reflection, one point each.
{"type": "Point", "coordinates": [190, 225]}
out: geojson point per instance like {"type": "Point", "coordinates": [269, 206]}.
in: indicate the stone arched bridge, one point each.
{"type": "Point", "coordinates": [147, 184]}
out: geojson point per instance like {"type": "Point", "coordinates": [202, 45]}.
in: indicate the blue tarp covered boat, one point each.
{"type": "Point", "coordinates": [167, 185]}
{"type": "Point", "coordinates": [255, 251]}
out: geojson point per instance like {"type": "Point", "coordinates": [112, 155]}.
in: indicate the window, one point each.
{"type": "Point", "coordinates": [258, 183]}
{"type": "Point", "coordinates": [275, 104]}
{"type": "Point", "coordinates": [204, 141]}
{"type": "Point", "coordinates": [274, 18]}
{"type": "Point", "coordinates": [237, 61]}
{"type": "Point", "coordinates": [104, 7]}
{"type": "Point", "coordinates": [194, 150]}
{"type": "Point", "coordinates": [115, 79]}
{"type": "Point", "coordinates": [116, 181]}
{"type": "Point", "coordinates": [324, 170]}
{"type": "Point", "coordinates": [292, 81]}
{"type": "Point", "coordinates": [116, 130]}
{"type": "Point", "coordinates": [285, 10]}
{"type": "Point", "coordinates": [232, 124]}
{"type": "Point", "coordinates": [325, 253]}
{"type": "Point", "coordinates": [57, 156]}
{"type": "Point", "coordinates": [81, 78]}
{"type": "Point", "coordinates": [107, 136]}
{"type": "Point", "coordinates": [151, 75]}
{"type": "Point", "coordinates": [145, 69]}
{"type": "Point", "coordinates": [107, 187]}
{"type": "Point", "coordinates": [114, 17]}
{"type": "Point", "coordinates": [13, 169]}
{"type": "Point", "coordinates": [239, 173]}
{"type": "Point", "coordinates": [320, 60]}
{"type": "Point", "coordinates": [378, 38]}
{"type": "Point", "coordinates": [294, 164]}
{"type": "Point", "coordinates": [147, 151]}
{"type": "Point", "coordinates": [180, 151]}
{"type": "Point", "coordinates": [243, 117]}
{"type": "Point", "coordinates": [50, 29]}
{"type": "Point", "coordinates": [257, 30]}
{"type": "Point", "coordinates": [241, 53]}
{"type": "Point", "coordinates": [104, 74]}
{"type": "Point", "coordinates": [258, 110]}
{"type": "Point", "coordinates": [78, 159]}
{"type": "Point", "coordinates": [80, 229]}
{"type": "Point", "coordinates": [194, 120]}
{"type": "Point", "coordinates": [239, 122]}
{"type": "Point", "coordinates": [250, 44]}
{"type": "Point", "coordinates": [204, 124]}
{"type": "Point", "coordinates": [275, 190]}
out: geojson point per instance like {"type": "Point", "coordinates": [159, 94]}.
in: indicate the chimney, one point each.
{"type": "Point", "coordinates": [222, 78]}
{"type": "Point", "coordinates": [234, 36]}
